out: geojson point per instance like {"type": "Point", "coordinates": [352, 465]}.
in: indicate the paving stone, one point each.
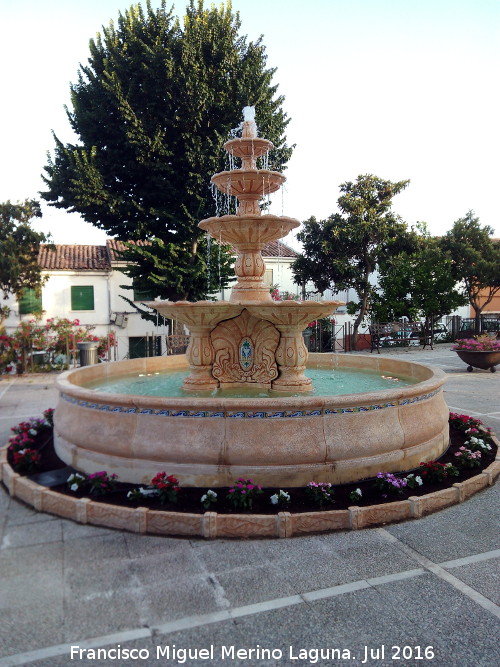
{"type": "Point", "coordinates": [87, 581]}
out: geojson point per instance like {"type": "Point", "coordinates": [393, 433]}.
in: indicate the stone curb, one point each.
{"type": "Point", "coordinates": [211, 524]}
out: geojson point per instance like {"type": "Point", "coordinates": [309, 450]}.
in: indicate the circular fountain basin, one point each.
{"type": "Point", "coordinates": [283, 441]}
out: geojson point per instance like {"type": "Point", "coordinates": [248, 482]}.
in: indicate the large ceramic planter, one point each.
{"type": "Point", "coordinates": [484, 360]}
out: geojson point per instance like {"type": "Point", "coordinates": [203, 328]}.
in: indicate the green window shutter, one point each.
{"type": "Point", "coordinates": [29, 302]}
{"type": "Point", "coordinates": [143, 295]}
{"type": "Point", "coordinates": [82, 297]}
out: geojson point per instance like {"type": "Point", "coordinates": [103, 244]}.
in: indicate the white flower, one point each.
{"type": "Point", "coordinates": [358, 491]}
{"type": "Point", "coordinates": [74, 487]}
{"type": "Point", "coordinates": [209, 496]}
{"type": "Point", "coordinates": [32, 431]}
{"type": "Point", "coordinates": [419, 480]}
{"type": "Point", "coordinates": [280, 497]}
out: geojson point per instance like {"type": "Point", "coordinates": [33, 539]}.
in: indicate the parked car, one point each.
{"type": "Point", "coordinates": [441, 333]}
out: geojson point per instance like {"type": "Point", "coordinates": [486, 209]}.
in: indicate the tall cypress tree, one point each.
{"type": "Point", "coordinates": [152, 109]}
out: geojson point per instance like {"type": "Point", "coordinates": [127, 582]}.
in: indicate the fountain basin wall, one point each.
{"type": "Point", "coordinates": [275, 441]}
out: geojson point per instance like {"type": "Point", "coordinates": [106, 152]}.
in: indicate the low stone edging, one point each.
{"type": "Point", "coordinates": [211, 524]}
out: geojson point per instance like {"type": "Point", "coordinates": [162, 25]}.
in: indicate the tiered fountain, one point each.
{"type": "Point", "coordinates": [287, 438]}
{"type": "Point", "coordinates": [251, 339]}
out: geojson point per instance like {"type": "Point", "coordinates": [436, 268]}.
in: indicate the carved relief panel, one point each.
{"type": "Point", "coordinates": [245, 349]}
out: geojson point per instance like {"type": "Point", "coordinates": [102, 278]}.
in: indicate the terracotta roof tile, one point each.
{"type": "Point", "coordinates": [74, 257]}
{"type": "Point", "coordinates": [99, 257]}
{"type": "Point", "coordinates": [115, 247]}
{"type": "Point", "coordinates": [271, 249]}
{"type": "Point", "coordinates": [278, 249]}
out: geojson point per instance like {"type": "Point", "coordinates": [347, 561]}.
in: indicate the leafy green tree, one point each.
{"type": "Point", "coordinates": [19, 245]}
{"type": "Point", "coordinates": [344, 250]}
{"type": "Point", "coordinates": [416, 284]}
{"type": "Point", "coordinates": [152, 109]}
{"type": "Point", "coordinates": [475, 261]}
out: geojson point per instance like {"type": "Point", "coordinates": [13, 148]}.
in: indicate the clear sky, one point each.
{"type": "Point", "coordinates": [404, 89]}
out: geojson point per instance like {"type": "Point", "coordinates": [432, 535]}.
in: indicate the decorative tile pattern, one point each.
{"type": "Point", "coordinates": [240, 414]}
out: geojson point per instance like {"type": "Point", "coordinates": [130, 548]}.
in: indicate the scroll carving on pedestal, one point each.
{"type": "Point", "coordinates": [245, 350]}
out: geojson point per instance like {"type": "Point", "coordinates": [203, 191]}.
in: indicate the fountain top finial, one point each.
{"type": "Point", "coordinates": [249, 130]}
{"type": "Point", "coordinates": [249, 113]}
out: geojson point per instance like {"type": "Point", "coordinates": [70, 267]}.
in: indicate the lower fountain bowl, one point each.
{"type": "Point", "coordinates": [286, 441]}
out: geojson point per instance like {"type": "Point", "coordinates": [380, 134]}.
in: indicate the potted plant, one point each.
{"type": "Point", "coordinates": [479, 352]}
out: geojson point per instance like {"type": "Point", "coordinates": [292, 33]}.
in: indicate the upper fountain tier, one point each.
{"type": "Point", "coordinates": [248, 184]}
{"type": "Point", "coordinates": [248, 231]}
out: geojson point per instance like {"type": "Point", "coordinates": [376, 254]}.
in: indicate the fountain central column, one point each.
{"type": "Point", "coordinates": [291, 357]}
{"type": "Point", "coordinates": [200, 356]}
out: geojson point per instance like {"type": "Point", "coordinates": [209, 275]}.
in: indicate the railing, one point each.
{"type": "Point", "coordinates": [388, 334]}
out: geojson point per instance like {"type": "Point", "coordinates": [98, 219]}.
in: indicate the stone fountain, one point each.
{"type": "Point", "coordinates": [249, 341]}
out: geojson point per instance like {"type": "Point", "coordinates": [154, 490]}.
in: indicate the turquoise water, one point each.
{"type": "Point", "coordinates": [326, 382]}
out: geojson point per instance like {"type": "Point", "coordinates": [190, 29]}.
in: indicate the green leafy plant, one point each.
{"type": "Point", "coordinates": [477, 444]}
{"type": "Point", "coordinates": [413, 481]}
{"type": "Point", "coordinates": [141, 493]}
{"type": "Point", "coordinates": [282, 498]}
{"type": "Point", "coordinates": [26, 460]}
{"type": "Point", "coordinates": [77, 481]}
{"type": "Point", "coordinates": [101, 483]}
{"type": "Point", "coordinates": [208, 499]}
{"type": "Point", "coordinates": [321, 493]}
{"type": "Point", "coordinates": [167, 486]}
{"type": "Point", "coordinates": [434, 471]}
{"type": "Point", "coordinates": [243, 493]}
{"type": "Point", "coordinates": [356, 495]}
{"type": "Point", "coordinates": [387, 483]}
{"type": "Point", "coordinates": [466, 458]}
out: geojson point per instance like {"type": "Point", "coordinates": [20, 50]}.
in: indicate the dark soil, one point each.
{"type": "Point", "coordinates": [189, 498]}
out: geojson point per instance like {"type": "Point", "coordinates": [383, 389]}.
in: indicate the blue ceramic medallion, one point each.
{"type": "Point", "coordinates": [246, 354]}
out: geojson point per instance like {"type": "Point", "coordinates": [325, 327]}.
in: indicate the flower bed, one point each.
{"type": "Point", "coordinates": [322, 506]}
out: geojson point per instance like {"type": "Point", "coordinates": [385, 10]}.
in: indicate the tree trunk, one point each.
{"type": "Point", "coordinates": [359, 318]}
{"type": "Point", "coordinates": [363, 306]}
{"type": "Point", "coordinates": [477, 319]}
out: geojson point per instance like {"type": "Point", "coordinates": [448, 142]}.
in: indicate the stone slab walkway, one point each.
{"type": "Point", "coordinates": [417, 593]}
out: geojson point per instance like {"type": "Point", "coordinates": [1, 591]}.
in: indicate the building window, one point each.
{"type": "Point", "coordinates": [143, 295]}
{"type": "Point", "coordinates": [268, 277]}
{"type": "Point", "coordinates": [29, 302]}
{"type": "Point", "coordinates": [82, 297]}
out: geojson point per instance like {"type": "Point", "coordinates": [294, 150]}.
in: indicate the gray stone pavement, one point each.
{"type": "Point", "coordinates": [416, 593]}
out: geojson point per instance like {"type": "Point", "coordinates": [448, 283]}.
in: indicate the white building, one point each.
{"type": "Point", "coordinates": [84, 283]}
